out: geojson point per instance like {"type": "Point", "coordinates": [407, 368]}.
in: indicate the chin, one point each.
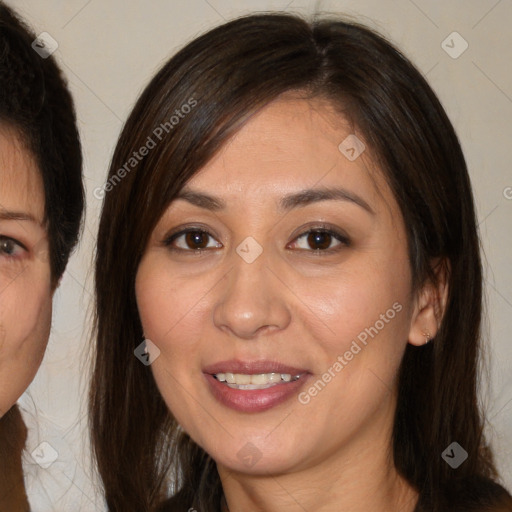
{"type": "Point", "coordinates": [253, 462]}
{"type": "Point", "coordinates": [257, 456]}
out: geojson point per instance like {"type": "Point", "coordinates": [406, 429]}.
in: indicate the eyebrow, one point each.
{"type": "Point", "coordinates": [18, 216]}
{"type": "Point", "coordinates": [286, 203]}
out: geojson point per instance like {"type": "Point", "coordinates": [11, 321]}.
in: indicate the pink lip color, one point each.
{"type": "Point", "coordinates": [253, 400]}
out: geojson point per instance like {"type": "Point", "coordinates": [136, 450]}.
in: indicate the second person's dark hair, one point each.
{"type": "Point", "coordinates": [35, 101]}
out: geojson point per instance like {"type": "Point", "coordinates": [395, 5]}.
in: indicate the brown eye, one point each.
{"type": "Point", "coordinates": [192, 240]}
{"type": "Point", "coordinates": [196, 239]}
{"type": "Point", "coordinates": [321, 240]}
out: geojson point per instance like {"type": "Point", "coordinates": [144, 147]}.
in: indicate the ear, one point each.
{"type": "Point", "coordinates": [430, 305]}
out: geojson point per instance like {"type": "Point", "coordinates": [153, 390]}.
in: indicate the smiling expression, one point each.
{"type": "Point", "coordinates": [278, 254]}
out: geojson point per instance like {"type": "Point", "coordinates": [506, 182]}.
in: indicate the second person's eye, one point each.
{"type": "Point", "coordinates": [11, 248]}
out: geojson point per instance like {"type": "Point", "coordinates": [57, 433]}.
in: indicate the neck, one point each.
{"type": "Point", "coordinates": [13, 434]}
{"type": "Point", "coordinates": [359, 476]}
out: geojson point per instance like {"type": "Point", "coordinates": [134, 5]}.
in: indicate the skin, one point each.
{"type": "Point", "coordinates": [293, 305]}
{"type": "Point", "coordinates": [25, 278]}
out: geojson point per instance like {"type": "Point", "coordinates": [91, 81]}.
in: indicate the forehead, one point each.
{"type": "Point", "coordinates": [291, 143]}
{"type": "Point", "coordinates": [21, 185]}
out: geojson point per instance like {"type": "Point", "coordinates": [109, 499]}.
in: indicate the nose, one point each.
{"type": "Point", "coordinates": [252, 301]}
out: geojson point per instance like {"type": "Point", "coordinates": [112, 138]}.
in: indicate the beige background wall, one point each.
{"type": "Point", "coordinates": [110, 48]}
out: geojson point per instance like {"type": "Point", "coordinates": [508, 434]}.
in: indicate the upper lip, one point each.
{"type": "Point", "coordinates": [252, 367]}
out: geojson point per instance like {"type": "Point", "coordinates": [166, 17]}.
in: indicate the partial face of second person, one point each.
{"type": "Point", "coordinates": [301, 303]}
{"type": "Point", "coordinates": [25, 278]}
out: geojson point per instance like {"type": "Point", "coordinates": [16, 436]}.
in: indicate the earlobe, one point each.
{"type": "Point", "coordinates": [430, 306]}
{"type": "Point", "coordinates": [424, 324]}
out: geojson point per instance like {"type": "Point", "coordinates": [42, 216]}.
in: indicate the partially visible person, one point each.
{"type": "Point", "coordinates": [41, 208]}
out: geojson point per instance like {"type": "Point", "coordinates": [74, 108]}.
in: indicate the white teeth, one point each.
{"type": "Point", "coordinates": [241, 379]}
{"type": "Point", "coordinates": [263, 380]}
{"type": "Point", "coordinates": [256, 379]}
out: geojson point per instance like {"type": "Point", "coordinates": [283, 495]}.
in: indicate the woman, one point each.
{"type": "Point", "coordinates": [41, 204]}
{"type": "Point", "coordinates": [288, 245]}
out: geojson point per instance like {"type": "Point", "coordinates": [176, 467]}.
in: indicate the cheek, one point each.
{"type": "Point", "coordinates": [168, 307]}
{"type": "Point", "coordinates": [346, 306]}
{"type": "Point", "coordinates": [25, 321]}
{"type": "Point", "coordinates": [169, 310]}
{"type": "Point", "coordinates": [359, 320]}
{"type": "Point", "coordinates": [25, 311]}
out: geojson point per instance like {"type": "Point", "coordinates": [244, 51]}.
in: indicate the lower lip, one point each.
{"type": "Point", "coordinates": [254, 400]}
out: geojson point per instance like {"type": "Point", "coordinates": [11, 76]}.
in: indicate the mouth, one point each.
{"type": "Point", "coordinates": [255, 381]}
{"type": "Point", "coordinates": [253, 386]}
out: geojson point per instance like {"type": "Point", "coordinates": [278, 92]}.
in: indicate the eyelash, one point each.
{"type": "Point", "coordinates": [8, 240]}
{"type": "Point", "coordinates": [324, 230]}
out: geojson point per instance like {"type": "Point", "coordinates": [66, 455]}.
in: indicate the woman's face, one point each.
{"type": "Point", "coordinates": [268, 296]}
{"type": "Point", "coordinates": [25, 284]}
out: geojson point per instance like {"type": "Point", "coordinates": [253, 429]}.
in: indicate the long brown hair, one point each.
{"type": "Point", "coordinates": [13, 435]}
{"type": "Point", "coordinates": [230, 72]}
{"type": "Point", "coordinates": [36, 104]}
